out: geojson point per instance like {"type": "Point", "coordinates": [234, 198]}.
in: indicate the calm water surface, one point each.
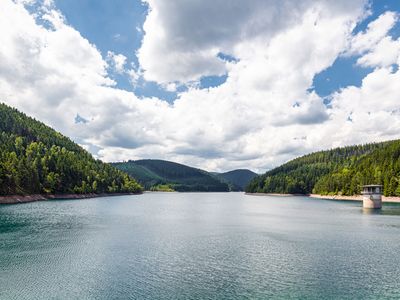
{"type": "Point", "coordinates": [198, 246]}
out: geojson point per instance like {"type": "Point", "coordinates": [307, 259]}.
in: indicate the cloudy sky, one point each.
{"type": "Point", "coordinates": [214, 84]}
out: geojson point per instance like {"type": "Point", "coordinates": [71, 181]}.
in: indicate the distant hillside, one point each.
{"type": "Point", "coordinates": [338, 171]}
{"type": "Point", "coordinates": [156, 174]}
{"type": "Point", "coordinates": [237, 179]}
{"type": "Point", "coordinates": [36, 159]}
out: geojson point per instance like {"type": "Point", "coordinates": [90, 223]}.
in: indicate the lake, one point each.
{"type": "Point", "coordinates": [198, 246]}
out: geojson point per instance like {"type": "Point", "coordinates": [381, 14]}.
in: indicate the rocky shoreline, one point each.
{"type": "Point", "coordinates": [328, 197]}
{"type": "Point", "coordinates": [353, 198]}
{"type": "Point", "coordinates": [16, 199]}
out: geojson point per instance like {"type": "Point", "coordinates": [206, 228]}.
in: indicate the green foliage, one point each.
{"type": "Point", "coordinates": [162, 188]}
{"type": "Point", "coordinates": [237, 179]}
{"type": "Point", "coordinates": [152, 173]}
{"type": "Point", "coordinates": [338, 171]}
{"type": "Point", "coordinates": [36, 159]}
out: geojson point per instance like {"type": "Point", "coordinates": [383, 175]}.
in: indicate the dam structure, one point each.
{"type": "Point", "coordinates": [372, 196]}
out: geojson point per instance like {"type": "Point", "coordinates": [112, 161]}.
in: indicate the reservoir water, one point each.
{"type": "Point", "coordinates": [199, 246]}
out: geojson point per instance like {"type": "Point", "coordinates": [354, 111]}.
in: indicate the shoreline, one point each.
{"type": "Point", "coordinates": [327, 197]}
{"type": "Point", "coordinates": [18, 199]}
{"type": "Point", "coordinates": [277, 194]}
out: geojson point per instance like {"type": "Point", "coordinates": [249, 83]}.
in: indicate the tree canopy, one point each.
{"type": "Point", "coordinates": [34, 158]}
{"type": "Point", "coordinates": [337, 171]}
{"type": "Point", "coordinates": [155, 173]}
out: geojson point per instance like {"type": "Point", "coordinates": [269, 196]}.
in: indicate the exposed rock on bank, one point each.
{"type": "Point", "coordinates": [15, 199]}
{"type": "Point", "coordinates": [328, 197]}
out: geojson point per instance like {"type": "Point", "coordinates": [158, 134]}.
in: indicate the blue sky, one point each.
{"type": "Point", "coordinates": [211, 83]}
{"type": "Point", "coordinates": [117, 26]}
{"type": "Point", "coordinates": [344, 71]}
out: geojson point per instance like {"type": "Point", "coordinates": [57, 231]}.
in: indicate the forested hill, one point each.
{"type": "Point", "coordinates": [237, 179]}
{"type": "Point", "coordinates": [338, 171]}
{"type": "Point", "coordinates": [35, 159]}
{"type": "Point", "coordinates": [157, 174]}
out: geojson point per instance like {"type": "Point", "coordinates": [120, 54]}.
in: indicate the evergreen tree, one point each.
{"type": "Point", "coordinates": [337, 171]}
{"type": "Point", "coordinates": [36, 159]}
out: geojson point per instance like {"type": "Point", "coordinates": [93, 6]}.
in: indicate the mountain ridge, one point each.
{"type": "Point", "coordinates": [153, 173]}
{"type": "Point", "coordinates": [339, 171]}
{"type": "Point", "coordinates": [238, 178]}
{"type": "Point", "coordinates": [157, 174]}
{"type": "Point", "coordinates": [36, 159]}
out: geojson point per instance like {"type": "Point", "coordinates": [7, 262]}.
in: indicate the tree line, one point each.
{"type": "Point", "coordinates": [337, 171]}
{"type": "Point", "coordinates": [153, 173]}
{"type": "Point", "coordinates": [36, 159]}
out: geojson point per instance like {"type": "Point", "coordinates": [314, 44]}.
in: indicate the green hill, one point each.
{"type": "Point", "coordinates": [338, 171]}
{"type": "Point", "coordinates": [237, 179]}
{"type": "Point", "coordinates": [156, 174]}
{"type": "Point", "coordinates": [36, 159]}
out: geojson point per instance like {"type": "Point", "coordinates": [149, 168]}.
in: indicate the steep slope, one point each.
{"type": "Point", "coordinates": [237, 179]}
{"type": "Point", "coordinates": [337, 171]}
{"type": "Point", "coordinates": [36, 159]}
{"type": "Point", "coordinates": [154, 173]}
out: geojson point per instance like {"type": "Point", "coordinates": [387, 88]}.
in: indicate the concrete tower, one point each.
{"type": "Point", "coordinates": [372, 196]}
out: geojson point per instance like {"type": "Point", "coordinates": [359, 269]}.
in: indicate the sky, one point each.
{"type": "Point", "coordinates": [218, 85]}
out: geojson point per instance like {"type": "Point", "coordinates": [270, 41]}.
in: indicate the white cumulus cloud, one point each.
{"type": "Point", "coordinates": [377, 47]}
{"type": "Point", "coordinates": [186, 36]}
{"type": "Point", "coordinates": [117, 61]}
{"type": "Point", "coordinates": [263, 115]}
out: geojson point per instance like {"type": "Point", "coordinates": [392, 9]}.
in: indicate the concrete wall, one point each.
{"type": "Point", "coordinates": [372, 201]}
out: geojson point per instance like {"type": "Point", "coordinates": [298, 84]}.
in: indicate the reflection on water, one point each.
{"type": "Point", "coordinates": [388, 209]}
{"type": "Point", "coordinates": [199, 246]}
